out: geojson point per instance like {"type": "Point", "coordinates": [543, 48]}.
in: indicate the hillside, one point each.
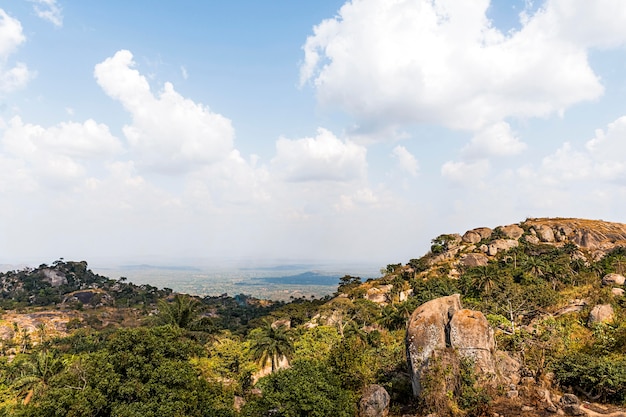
{"type": "Point", "coordinates": [524, 319]}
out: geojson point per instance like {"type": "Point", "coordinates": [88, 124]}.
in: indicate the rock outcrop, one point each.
{"type": "Point", "coordinates": [374, 402]}
{"type": "Point", "coordinates": [427, 332]}
{"type": "Point", "coordinates": [472, 337]}
{"type": "Point", "coordinates": [602, 313]}
{"type": "Point", "coordinates": [613, 279]}
{"type": "Point", "coordinates": [442, 323]}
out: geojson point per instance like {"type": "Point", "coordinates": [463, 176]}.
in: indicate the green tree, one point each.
{"type": "Point", "coordinates": [309, 388]}
{"type": "Point", "coordinates": [182, 311]}
{"type": "Point", "coordinates": [271, 343]}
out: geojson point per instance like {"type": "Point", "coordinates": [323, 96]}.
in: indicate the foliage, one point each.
{"type": "Point", "coordinates": [271, 343]}
{"type": "Point", "coordinates": [138, 372]}
{"type": "Point", "coordinates": [599, 377]}
{"type": "Point", "coordinates": [441, 243]}
{"type": "Point", "coordinates": [181, 312]}
{"type": "Point", "coordinates": [451, 387]}
{"type": "Point", "coordinates": [308, 388]}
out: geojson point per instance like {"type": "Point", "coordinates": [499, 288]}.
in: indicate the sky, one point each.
{"type": "Point", "coordinates": [197, 131]}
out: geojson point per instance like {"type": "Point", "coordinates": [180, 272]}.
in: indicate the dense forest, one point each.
{"type": "Point", "coordinates": [78, 344]}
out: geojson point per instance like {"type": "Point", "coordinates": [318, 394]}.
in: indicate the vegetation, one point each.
{"type": "Point", "coordinates": [141, 351]}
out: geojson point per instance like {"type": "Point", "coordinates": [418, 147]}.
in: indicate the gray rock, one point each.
{"type": "Point", "coordinates": [532, 239]}
{"type": "Point", "coordinates": [472, 337]}
{"type": "Point", "coordinates": [613, 279]}
{"type": "Point", "coordinates": [618, 292]}
{"type": "Point", "coordinates": [512, 231]}
{"type": "Point", "coordinates": [545, 233]}
{"type": "Point", "coordinates": [471, 237]}
{"type": "Point", "coordinates": [501, 245]}
{"type": "Point", "coordinates": [374, 402]}
{"type": "Point", "coordinates": [602, 313]}
{"type": "Point", "coordinates": [474, 259]}
{"type": "Point", "coordinates": [571, 405]}
{"type": "Point", "coordinates": [426, 332]}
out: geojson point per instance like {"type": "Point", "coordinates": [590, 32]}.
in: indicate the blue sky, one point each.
{"type": "Point", "coordinates": [194, 131]}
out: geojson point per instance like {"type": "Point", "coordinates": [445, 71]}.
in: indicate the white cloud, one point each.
{"type": "Point", "coordinates": [601, 160]}
{"type": "Point", "coordinates": [57, 155]}
{"type": "Point", "coordinates": [169, 133]}
{"type": "Point", "coordinates": [406, 160]}
{"type": "Point", "coordinates": [494, 140]}
{"type": "Point", "coordinates": [49, 10]}
{"type": "Point", "coordinates": [322, 158]}
{"type": "Point", "coordinates": [360, 197]}
{"type": "Point", "coordinates": [183, 72]}
{"type": "Point", "coordinates": [11, 37]}
{"type": "Point", "coordinates": [469, 174]}
{"type": "Point", "coordinates": [443, 62]}
{"type": "Point", "coordinates": [88, 140]}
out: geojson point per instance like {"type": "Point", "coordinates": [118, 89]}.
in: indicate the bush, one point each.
{"type": "Point", "coordinates": [309, 388]}
{"type": "Point", "coordinates": [602, 377]}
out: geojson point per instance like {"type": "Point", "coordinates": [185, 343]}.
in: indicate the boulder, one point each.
{"type": "Point", "coordinates": [512, 231]}
{"type": "Point", "coordinates": [474, 259]}
{"type": "Point", "coordinates": [613, 279]}
{"type": "Point", "coordinates": [501, 245]}
{"type": "Point", "coordinates": [571, 405]}
{"type": "Point", "coordinates": [476, 235]}
{"type": "Point", "coordinates": [427, 332]}
{"type": "Point", "coordinates": [442, 329]}
{"type": "Point", "coordinates": [472, 337]}
{"type": "Point", "coordinates": [471, 237]}
{"type": "Point", "coordinates": [532, 239]}
{"type": "Point", "coordinates": [544, 233]}
{"type": "Point", "coordinates": [507, 368]}
{"type": "Point", "coordinates": [618, 292]}
{"type": "Point", "coordinates": [602, 313]}
{"type": "Point", "coordinates": [374, 402]}
{"type": "Point", "coordinates": [378, 295]}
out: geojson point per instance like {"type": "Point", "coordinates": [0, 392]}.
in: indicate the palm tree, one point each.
{"type": "Point", "coordinates": [36, 373]}
{"type": "Point", "coordinates": [181, 312]}
{"type": "Point", "coordinates": [272, 344]}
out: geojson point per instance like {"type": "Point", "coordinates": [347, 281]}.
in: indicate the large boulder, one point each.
{"type": "Point", "coordinates": [602, 313]}
{"type": "Point", "coordinates": [472, 337]}
{"type": "Point", "coordinates": [545, 233]}
{"type": "Point", "coordinates": [440, 324]}
{"type": "Point", "coordinates": [475, 259]}
{"type": "Point", "coordinates": [512, 231]}
{"type": "Point", "coordinates": [476, 235]}
{"type": "Point", "coordinates": [501, 245]}
{"type": "Point", "coordinates": [427, 332]}
{"type": "Point", "coordinates": [613, 279]}
{"type": "Point", "coordinates": [374, 402]}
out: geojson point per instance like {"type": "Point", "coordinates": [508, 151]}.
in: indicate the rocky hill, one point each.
{"type": "Point", "coordinates": [525, 319]}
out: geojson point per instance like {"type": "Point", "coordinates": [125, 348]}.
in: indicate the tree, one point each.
{"type": "Point", "coordinates": [309, 388]}
{"type": "Point", "coordinates": [181, 312]}
{"type": "Point", "coordinates": [271, 343]}
{"type": "Point", "coordinates": [36, 373]}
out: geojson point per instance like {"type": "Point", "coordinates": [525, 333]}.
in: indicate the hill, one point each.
{"type": "Point", "coordinates": [548, 292]}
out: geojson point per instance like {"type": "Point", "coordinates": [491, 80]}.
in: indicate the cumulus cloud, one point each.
{"type": "Point", "coordinates": [468, 174]}
{"type": "Point", "coordinates": [57, 155]}
{"type": "Point", "coordinates": [171, 134]}
{"type": "Point", "coordinates": [494, 140]}
{"type": "Point", "coordinates": [49, 10]}
{"type": "Point", "coordinates": [88, 140]}
{"type": "Point", "coordinates": [443, 62]}
{"type": "Point", "coordinates": [360, 197]}
{"type": "Point", "coordinates": [600, 160]}
{"type": "Point", "coordinates": [406, 161]}
{"type": "Point", "coordinates": [11, 37]}
{"type": "Point", "coordinates": [321, 158]}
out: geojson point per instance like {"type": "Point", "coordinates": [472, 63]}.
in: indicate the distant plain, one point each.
{"type": "Point", "coordinates": [281, 282]}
